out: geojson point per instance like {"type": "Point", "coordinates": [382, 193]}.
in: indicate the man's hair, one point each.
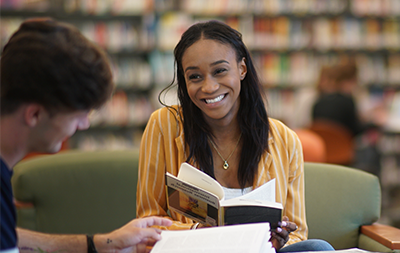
{"type": "Point", "coordinates": [53, 64]}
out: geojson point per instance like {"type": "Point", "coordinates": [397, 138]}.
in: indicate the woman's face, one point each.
{"type": "Point", "coordinates": [213, 76]}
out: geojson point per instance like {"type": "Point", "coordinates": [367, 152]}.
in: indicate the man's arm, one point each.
{"type": "Point", "coordinates": [133, 237]}
{"type": "Point", "coordinates": [30, 241]}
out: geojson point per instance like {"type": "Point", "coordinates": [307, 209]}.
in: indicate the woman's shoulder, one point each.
{"type": "Point", "coordinates": [166, 112]}
{"type": "Point", "coordinates": [278, 125]}
{"type": "Point", "coordinates": [168, 116]}
{"type": "Point", "coordinates": [280, 130]}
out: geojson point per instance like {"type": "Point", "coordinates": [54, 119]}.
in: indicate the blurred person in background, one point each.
{"type": "Point", "coordinates": [336, 103]}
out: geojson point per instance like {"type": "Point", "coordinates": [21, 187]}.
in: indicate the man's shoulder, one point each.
{"type": "Point", "coordinates": [8, 215]}
{"type": "Point", "coordinates": [6, 172]}
{"type": "Point", "coordinates": [13, 250]}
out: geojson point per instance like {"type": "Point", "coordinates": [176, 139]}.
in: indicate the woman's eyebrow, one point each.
{"type": "Point", "coordinates": [218, 62]}
{"type": "Point", "coordinates": [212, 64]}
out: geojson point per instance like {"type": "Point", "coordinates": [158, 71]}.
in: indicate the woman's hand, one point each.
{"type": "Point", "coordinates": [281, 236]}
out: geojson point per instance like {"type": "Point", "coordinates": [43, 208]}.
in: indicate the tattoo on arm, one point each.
{"type": "Point", "coordinates": [109, 241]}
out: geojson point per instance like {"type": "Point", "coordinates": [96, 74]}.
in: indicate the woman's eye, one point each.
{"type": "Point", "coordinates": [194, 76]}
{"type": "Point", "coordinates": [218, 71]}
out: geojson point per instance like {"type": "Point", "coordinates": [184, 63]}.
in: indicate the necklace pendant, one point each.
{"type": "Point", "coordinates": [226, 165]}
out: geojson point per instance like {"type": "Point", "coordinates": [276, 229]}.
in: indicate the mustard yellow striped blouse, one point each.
{"type": "Point", "coordinates": [162, 149]}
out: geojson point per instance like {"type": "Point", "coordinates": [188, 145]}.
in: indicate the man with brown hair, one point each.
{"type": "Point", "coordinates": [51, 77]}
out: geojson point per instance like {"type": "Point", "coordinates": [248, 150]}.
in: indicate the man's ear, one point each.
{"type": "Point", "coordinates": [32, 113]}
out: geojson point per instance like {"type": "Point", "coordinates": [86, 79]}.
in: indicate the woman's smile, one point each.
{"type": "Point", "coordinates": [215, 100]}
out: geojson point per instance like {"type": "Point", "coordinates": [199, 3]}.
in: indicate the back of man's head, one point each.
{"type": "Point", "coordinates": [53, 64]}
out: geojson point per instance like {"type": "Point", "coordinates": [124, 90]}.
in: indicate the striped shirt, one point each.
{"type": "Point", "coordinates": [163, 150]}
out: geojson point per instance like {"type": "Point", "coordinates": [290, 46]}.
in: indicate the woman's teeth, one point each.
{"type": "Point", "coordinates": [214, 100]}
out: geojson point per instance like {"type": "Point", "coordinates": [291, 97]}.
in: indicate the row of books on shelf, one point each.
{"type": "Point", "coordinates": [132, 73]}
{"type": "Point", "coordinates": [290, 107]}
{"type": "Point", "coordinates": [375, 7]}
{"type": "Point", "coordinates": [287, 33]}
{"type": "Point", "coordinates": [263, 7]}
{"type": "Point", "coordinates": [116, 36]}
{"type": "Point", "coordinates": [213, 7]}
{"type": "Point", "coordinates": [100, 7]}
{"type": "Point", "coordinates": [294, 69]}
{"type": "Point", "coordinates": [226, 7]}
{"type": "Point", "coordinates": [90, 7]}
{"type": "Point", "coordinates": [39, 5]}
{"type": "Point", "coordinates": [300, 7]}
{"type": "Point", "coordinates": [276, 33]}
{"type": "Point", "coordinates": [123, 110]}
{"type": "Point", "coordinates": [320, 33]}
{"type": "Point", "coordinates": [113, 36]}
{"type": "Point", "coordinates": [302, 68]}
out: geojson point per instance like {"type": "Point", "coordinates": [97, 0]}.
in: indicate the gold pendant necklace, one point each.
{"type": "Point", "coordinates": [226, 165]}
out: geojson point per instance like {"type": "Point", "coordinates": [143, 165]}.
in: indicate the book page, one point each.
{"type": "Point", "coordinates": [265, 192]}
{"type": "Point", "coordinates": [230, 239]}
{"type": "Point", "coordinates": [200, 179]}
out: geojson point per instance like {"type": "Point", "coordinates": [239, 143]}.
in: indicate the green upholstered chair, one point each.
{"type": "Point", "coordinates": [76, 192]}
{"type": "Point", "coordinates": [342, 203]}
{"type": "Point", "coordinates": [95, 192]}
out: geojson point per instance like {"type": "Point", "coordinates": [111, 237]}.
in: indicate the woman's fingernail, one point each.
{"type": "Point", "coordinates": [279, 230]}
{"type": "Point", "coordinates": [284, 224]}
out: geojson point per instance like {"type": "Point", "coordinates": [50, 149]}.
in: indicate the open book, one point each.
{"type": "Point", "coordinates": [198, 196]}
{"type": "Point", "coordinates": [236, 238]}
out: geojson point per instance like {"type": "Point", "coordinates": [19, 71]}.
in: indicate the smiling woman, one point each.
{"type": "Point", "coordinates": [221, 127]}
{"type": "Point", "coordinates": [213, 81]}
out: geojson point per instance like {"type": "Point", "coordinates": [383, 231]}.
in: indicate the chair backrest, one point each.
{"type": "Point", "coordinates": [339, 200]}
{"type": "Point", "coordinates": [76, 191]}
{"type": "Point", "coordinates": [314, 149]}
{"type": "Point", "coordinates": [338, 141]}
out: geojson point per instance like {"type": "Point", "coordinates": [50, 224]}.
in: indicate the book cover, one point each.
{"type": "Point", "coordinates": [197, 196]}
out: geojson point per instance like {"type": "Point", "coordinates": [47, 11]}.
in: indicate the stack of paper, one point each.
{"type": "Point", "coordinates": [243, 238]}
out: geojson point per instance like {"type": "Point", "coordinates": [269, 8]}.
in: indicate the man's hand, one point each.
{"type": "Point", "coordinates": [134, 237]}
{"type": "Point", "coordinates": [281, 236]}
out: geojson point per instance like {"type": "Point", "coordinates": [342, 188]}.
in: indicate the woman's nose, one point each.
{"type": "Point", "coordinates": [210, 85]}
